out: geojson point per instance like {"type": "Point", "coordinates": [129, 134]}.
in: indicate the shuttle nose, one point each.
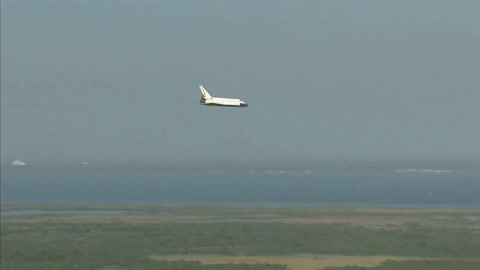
{"type": "Point", "coordinates": [243, 104]}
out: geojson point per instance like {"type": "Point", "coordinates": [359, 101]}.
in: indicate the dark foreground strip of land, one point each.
{"type": "Point", "coordinates": [129, 240]}
{"type": "Point", "coordinates": [417, 265]}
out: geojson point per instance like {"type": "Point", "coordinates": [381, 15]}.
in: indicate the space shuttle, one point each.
{"type": "Point", "coordinates": [207, 99]}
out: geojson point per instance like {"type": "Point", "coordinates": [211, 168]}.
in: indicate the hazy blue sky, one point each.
{"type": "Point", "coordinates": [118, 80]}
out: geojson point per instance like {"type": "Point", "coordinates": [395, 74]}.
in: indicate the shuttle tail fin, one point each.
{"type": "Point", "coordinates": [205, 93]}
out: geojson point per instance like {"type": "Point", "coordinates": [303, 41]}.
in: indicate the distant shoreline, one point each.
{"type": "Point", "coordinates": [106, 209]}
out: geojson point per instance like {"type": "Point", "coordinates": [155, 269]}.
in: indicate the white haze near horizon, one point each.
{"type": "Point", "coordinates": [118, 80]}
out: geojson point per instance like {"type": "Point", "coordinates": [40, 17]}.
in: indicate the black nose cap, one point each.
{"type": "Point", "coordinates": [244, 105]}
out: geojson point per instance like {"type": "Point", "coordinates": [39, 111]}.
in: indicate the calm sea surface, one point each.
{"type": "Point", "coordinates": [245, 189]}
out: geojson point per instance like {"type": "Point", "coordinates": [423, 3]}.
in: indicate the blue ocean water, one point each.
{"type": "Point", "coordinates": [457, 189]}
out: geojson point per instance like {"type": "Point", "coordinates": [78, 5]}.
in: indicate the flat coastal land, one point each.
{"type": "Point", "coordinates": [214, 237]}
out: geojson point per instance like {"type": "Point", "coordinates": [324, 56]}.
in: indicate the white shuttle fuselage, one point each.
{"type": "Point", "coordinates": [207, 99]}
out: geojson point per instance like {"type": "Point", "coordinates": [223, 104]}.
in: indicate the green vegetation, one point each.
{"type": "Point", "coordinates": [128, 241]}
{"type": "Point", "coordinates": [418, 265]}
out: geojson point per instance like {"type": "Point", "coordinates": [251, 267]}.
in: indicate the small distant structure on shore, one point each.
{"type": "Point", "coordinates": [18, 163]}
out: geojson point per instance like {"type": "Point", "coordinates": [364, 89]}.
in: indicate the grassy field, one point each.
{"type": "Point", "coordinates": [240, 238]}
